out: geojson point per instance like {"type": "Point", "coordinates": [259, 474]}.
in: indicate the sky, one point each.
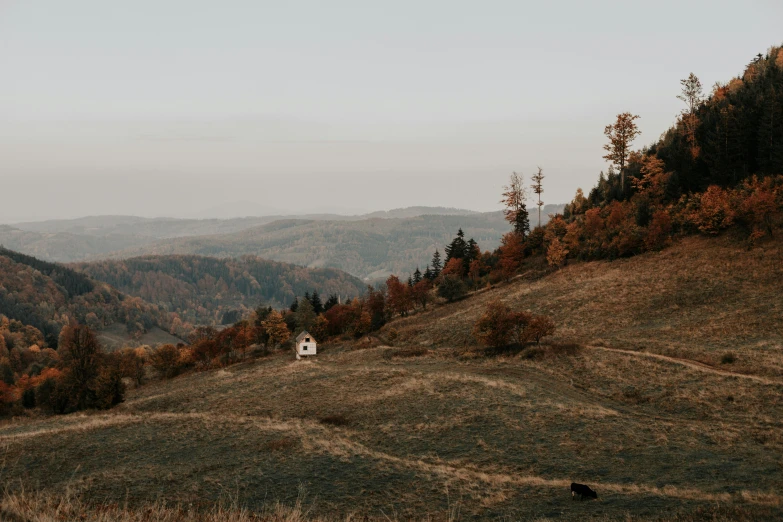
{"type": "Point", "coordinates": [203, 108]}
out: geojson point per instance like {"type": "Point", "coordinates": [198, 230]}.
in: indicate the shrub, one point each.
{"type": "Point", "coordinates": [728, 358]}
{"type": "Point", "coordinates": [335, 420]}
{"type": "Point", "coordinates": [715, 211]}
{"type": "Point", "coordinates": [494, 327]}
{"type": "Point", "coordinates": [539, 327]}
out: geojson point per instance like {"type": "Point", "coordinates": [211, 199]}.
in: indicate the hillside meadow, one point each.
{"type": "Point", "coordinates": [633, 395]}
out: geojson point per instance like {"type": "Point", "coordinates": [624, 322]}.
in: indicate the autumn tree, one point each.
{"type": "Point", "coordinates": [81, 356]}
{"type": "Point", "coordinates": [621, 134]}
{"type": "Point", "coordinates": [538, 189]}
{"type": "Point", "coordinates": [654, 177]}
{"type": "Point", "coordinates": [556, 253]}
{"type": "Point", "coordinates": [715, 211]}
{"type": "Point", "coordinates": [512, 251]}
{"type": "Point", "coordinates": [420, 293]}
{"type": "Point", "coordinates": [514, 199]}
{"type": "Point", "coordinates": [398, 295]}
{"type": "Point", "coordinates": [166, 360]}
{"type": "Point", "coordinates": [320, 328]}
{"type": "Point", "coordinates": [453, 267]}
{"type": "Point", "coordinates": [276, 328]}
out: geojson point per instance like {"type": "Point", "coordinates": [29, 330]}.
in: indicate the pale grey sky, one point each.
{"type": "Point", "coordinates": [174, 107]}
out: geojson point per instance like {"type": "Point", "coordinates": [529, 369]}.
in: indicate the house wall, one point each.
{"type": "Point", "coordinates": [311, 348]}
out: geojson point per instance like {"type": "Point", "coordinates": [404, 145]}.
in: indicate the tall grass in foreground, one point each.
{"type": "Point", "coordinates": [24, 506]}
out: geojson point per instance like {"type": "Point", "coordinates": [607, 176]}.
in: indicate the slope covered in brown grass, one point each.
{"type": "Point", "coordinates": [698, 299]}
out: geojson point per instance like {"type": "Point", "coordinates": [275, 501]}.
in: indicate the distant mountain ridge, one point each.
{"type": "Point", "coordinates": [370, 249]}
{"type": "Point", "coordinates": [370, 246]}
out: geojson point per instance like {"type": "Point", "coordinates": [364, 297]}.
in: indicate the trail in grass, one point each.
{"type": "Point", "coordinates": [691, 364]}
{"type": "Point", "coordinates": [318, 438]}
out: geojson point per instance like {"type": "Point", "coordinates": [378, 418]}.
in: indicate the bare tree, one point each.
{"type": "Point", "coordinates": [538, 188]}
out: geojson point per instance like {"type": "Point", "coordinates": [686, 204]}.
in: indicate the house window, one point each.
{"type": "Point", "coordinates": [304, 348]}
{"type": "Point", "coordinates": [307, 339]}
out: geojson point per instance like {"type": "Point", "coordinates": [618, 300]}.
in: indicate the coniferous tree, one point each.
{"type": "Point", "coordinates": [472, 252]}
{"type": "Point", "coordinates": [428, 274]}
{"type": "Point", "coordinates": [318, 307]}
{"type": "Point", "coordinates": [332, 301]}
{"type": "Point", "coordinates": [416, 276]}
{"type": "Point", "coordinates": [457, 248]}
{"type": "Point", "coordinates": [295, 305]}
{"type": "Point", "coordinates": [437, 264]}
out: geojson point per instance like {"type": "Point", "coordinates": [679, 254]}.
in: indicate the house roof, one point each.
{"type": "Point", "coordinates": [302, 335]}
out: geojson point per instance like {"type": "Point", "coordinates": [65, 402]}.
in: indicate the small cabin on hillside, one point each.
{"type": "Point", "coordinates": [305, 345]}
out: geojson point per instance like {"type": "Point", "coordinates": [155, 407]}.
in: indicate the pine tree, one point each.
{"type": "Point", "coordinates": [437, 264]}
{"type": "Point", "coordinates": [472, 252]}
{"type": "Point", "coordinates": [416, 276]}
{"type": "Point", "coordinates": [410, 282]}
{"type": "Point", "coordinates": [428, 273]}
{"type": "Point", "coordinates": [318, 307]}
{"type": "Point", "coordinates": [332, 301]}
{"type": "Point", "coordinates": [457, 248]}
{"type": "Point", "coordinates": [295, 305]}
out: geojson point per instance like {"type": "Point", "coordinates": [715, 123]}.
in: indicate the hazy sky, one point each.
{"type": "Point", "coordinates": [174, 108]}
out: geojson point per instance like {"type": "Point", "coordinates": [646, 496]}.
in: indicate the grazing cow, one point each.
{"type": "Point", "coordinates": [583, 491]}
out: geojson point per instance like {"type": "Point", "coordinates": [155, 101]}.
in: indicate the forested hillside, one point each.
{"type": "Point", "coordinates": [371, 249]}
{"type": "Point", "coordinates": [47, 296]}
{"type": "Point", "coordinates": [202, 289]}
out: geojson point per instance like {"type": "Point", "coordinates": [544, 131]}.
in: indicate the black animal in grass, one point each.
{"type": "Point", "coordinates": [583, 491]}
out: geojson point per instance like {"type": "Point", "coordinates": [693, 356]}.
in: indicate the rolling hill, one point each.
{"type": "Point", "coordinates": [201, 289]}
{"type": "Point", "coordinates": [630, 397]}
{"type": "Point", "coordinates": [368, 248]}
{"type": "Point", "coordinates": [362, 245]}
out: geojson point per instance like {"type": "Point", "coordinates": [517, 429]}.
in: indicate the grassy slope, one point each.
{"type": "Point", "coordinates": [698, 299]}
{"type": "Point", "coordinates": [495, 436]}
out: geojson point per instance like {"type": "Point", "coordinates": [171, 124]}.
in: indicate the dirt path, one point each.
{"type": "Point", "coordinates": [691, 364]}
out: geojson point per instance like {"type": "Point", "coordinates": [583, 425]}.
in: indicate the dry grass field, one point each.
{"type": "Point", "coordinates": [630, 397]}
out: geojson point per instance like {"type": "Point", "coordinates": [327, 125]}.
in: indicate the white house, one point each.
{"type": "Point", "coordinates": [305, 345]}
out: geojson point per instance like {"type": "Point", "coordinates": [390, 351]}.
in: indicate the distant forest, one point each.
{"type": "Point", "coordinates": [201, 289]}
